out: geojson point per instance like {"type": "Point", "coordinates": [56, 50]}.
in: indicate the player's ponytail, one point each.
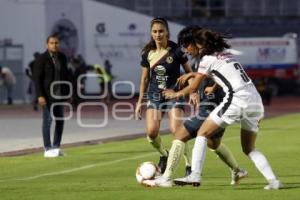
{"type": "Point", "coordinates": [211, 41]}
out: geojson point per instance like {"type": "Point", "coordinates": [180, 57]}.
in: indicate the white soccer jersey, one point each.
{"type": "Point", "coordinates": [242, 101]}
{"type": "Point", "coordinates": [225, 70]}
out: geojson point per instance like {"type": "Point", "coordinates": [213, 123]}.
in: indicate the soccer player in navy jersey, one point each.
{"type": "Point", "coordinates": [161, 61]}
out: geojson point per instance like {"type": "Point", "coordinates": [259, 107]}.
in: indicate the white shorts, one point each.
{"type": "Point", "coordinates": [244, 106]}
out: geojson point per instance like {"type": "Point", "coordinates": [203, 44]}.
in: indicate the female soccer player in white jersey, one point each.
{"type": "Point", "coordinates": [242, 103]}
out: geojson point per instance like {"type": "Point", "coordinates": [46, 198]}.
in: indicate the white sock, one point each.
{"type": "Point", "coordinates": [262, 164]}
{"type": "Point", "coordinates": [198, 157]}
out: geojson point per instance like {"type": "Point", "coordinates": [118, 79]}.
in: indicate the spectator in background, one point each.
{"type": "Point", "coordinates": [78, 68]}
{"type": "Point", "coordinates": [107, 67]}
{"type": "Point", "coordinates": [104, 80]}
{"type": "Point", "coordinates": [31, 88]}
{"type": "Point", "coordinates": [8, 80]}
{"type": "Point", "coordinates": [49, 70]}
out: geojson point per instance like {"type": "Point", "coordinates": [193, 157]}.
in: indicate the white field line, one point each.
{"type": "Point", "coordinates": [91, 165]}
{"type": "Point", "coordinates": [76, 169]}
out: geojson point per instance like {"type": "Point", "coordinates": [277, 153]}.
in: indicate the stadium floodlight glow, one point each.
{"type": "Point", "coordinates": [131, 94]}
{"type": "Point", "coordinates": [66, 104]}
{"type": "Point", "coordinates": [99, 76]}
{"type": "Point", "coordinates": [105, 117]}
{"type": "Point", "coordinates": [54, 83]}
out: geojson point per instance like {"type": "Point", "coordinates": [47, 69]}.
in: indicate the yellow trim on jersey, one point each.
{"type": "Point", "coordinates": [155, 56]}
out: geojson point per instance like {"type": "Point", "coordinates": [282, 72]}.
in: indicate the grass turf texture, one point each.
{"type": "Point", "coordinates": [107, 171]}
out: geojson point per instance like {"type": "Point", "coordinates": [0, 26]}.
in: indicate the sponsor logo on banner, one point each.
{"type": "Point", "coordinates": [132, 31]}
{"type": "Point", "coordinates": [271, 54]}
{"type": "Point", "coordinates": [101, 29]}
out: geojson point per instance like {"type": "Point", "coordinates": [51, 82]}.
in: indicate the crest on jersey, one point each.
{"type": "Point", "coordinates": [169, 59]}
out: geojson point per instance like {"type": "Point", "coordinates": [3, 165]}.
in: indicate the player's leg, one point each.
{"type": "Point", "coordinates": [248, 139]}
{"type": "Point", "coordinates": [226, 155]}
{"type": "Point", "coordinates": [153, 119]}
{"type": "Point", "coordinates": [175, 154]}
{"type": "Point", "coordinates": [199, 152]}
{"type": "Point", "coordinates": [176, 115]}
{"type": "Point", "coordinates": [249, 129]}
{"type": "Point", "coordinates": [176, 151]}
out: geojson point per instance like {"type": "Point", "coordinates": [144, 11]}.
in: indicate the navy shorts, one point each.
{"type": "Point", "coordinates": [193, 124]}
{"type": "Point", "coordinates": [156, 101]}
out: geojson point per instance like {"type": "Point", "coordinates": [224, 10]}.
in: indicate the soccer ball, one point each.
{"type": "Point", "coordinates": [146, 171]}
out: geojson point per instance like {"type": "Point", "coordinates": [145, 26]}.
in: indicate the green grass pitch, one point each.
{"type": "Point", "coordinates": [107, 171]}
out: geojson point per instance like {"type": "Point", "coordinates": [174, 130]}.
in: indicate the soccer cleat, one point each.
{"type": "Point", "coordinates": [163, 163]}
{"type": "Point", "coordinates": [188, 180]}
{"type": "Point", "coordinates": [50, 154]}
{"type": "Point", "coordinates": [237, 175]}
{"type": "Point", "coordinates": [188, 170]}
{"type": "Point", "coordinates": [274, 185]}
{"type": "Point", "coordinates": [159, 181]}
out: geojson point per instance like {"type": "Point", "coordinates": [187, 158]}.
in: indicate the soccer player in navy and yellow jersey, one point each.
{"type": "Point", "coordinates": [161, 61]}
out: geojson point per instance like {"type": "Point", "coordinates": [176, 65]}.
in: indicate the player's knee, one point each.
{"type": "Point", "coordinates": [152, 133]}
{"type": "Point", "coordinates": [173, 130]}
{"type": "Point", "coordinates": [212, 145]}
{"type": "Point", "coordinates": [246, 150]}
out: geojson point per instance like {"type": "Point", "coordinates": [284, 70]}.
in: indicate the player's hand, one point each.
{"type": "Point", "coordinates": [138, 111]}
{"type": "Point", "coordinates": [194, 99]}
{"type": "Point", "coordinates": [42, 101]}
{"type": "Point", "coordinates": [209, 90]}
{"type": "Point", "coordinates": [182, 80]}
{"type": "Point", "coordinates": [169, 94]}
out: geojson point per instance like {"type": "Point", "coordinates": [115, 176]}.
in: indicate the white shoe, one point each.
{"type": "Point", "coordinates": [50, 154]}
{"type": "Point", "coordinates": [274, 185]}
{"type": "Point", "coordinates": [237, 175]}
{"type": "Point", "coordinates": [58, 152]}
{"type": "Point", "coordinates": [192, 179]}
{"type": "Point", "coordinates": [159, 181]}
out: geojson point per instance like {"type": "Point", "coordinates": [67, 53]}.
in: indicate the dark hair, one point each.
{"type": "Point", "coordinates": [0, 69]}
{"type": "Point", "coordinates": [52, 36]}
{"type": "Point", "coordinates": [151, 44]}
{"type": "Point", "coordinates": [211, 41]}
{"type": "Point", "coordinates": [186, 36]}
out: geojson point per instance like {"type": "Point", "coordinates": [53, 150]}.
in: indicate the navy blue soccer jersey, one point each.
{"type": "Point", "coordinates": [164, 67]}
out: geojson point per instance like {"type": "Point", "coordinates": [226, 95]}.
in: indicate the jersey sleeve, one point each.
{"type": "Point", "coordinates": [205, 65]}
{"type": "Point", "coordinates": [144, 61]}
{"type": "Point", "coordinates": [181, 55]}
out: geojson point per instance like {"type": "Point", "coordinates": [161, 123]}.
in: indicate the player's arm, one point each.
{"type": "Point", "coordinates": [211, 89]}
{"type": "Point", "coordinates": [144, 82]}
{"type": "Point", "coordinates": [194, 97]}
{"type": "Point", "coordinates": [198, 78]}
{"type": "Point", "coordinates": [188, 69]}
